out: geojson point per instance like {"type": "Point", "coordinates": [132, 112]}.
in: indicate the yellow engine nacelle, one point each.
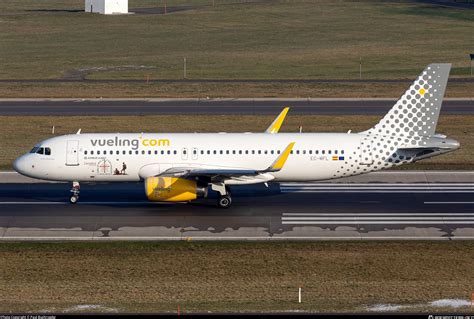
{"type": "Point", "coordinates": [172, 189]}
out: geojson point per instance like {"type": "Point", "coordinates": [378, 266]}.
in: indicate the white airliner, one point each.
{"type": "Point", "coordinates": [181, 167]}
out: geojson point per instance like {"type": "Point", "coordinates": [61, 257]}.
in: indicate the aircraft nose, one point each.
{"type": "Point", "coordinates": [19, 165]}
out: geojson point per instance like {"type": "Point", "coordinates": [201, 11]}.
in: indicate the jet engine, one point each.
{"type": "Point", "coordinates": [173, 189]}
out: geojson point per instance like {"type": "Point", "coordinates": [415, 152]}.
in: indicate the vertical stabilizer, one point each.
{"type": "Point", "coordinates": [416, 112]}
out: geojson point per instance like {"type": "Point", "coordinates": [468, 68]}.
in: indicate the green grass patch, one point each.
{"type": "Point", "coordinates": [231, 276]}
{"type": "Point", "coordinates": [236, 39]}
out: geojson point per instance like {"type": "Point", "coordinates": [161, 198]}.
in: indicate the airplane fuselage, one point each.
{"type": "Point", "coordinates": [118, 157]}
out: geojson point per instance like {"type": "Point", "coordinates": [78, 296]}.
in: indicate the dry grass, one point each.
{"type": "Point", "coordinates": [217, 90]}
{"type": "Point", "coordinates": [151, 277]}
{"type": "Point", "coordinates": [19, 133]}
{"type": "Point", "coordinates": [237, 39]}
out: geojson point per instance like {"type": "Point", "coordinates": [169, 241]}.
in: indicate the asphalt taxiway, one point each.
{"type": "Point", "coordinates": [308, 211]}
{"type": "Point", "coordinates": [308, 106]}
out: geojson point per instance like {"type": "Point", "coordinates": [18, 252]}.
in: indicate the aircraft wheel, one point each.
{"type": "Point", "coordinates": [73, 199]}
{"type": "Point", "coordinates": [224, 201]}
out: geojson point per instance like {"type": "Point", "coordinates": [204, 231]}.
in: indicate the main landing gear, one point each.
{"type": "Point", "coordinates": [224, 200]}
{"type": "Point", "coordinates": [75, 190]}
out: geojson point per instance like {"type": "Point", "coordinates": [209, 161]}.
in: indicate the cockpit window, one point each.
{"type": "Point", "coordinates": [47, 151]}
{"type": "Point", "coordinates": [34, 149]}
{"type": "Point", "coordinates": [40, 150]}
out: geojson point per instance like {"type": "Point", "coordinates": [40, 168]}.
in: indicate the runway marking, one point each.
{"type": "Point", "coordinates": [442, 203]}
{"type": "Point", "coordinates": [379, 218]}
{"type": "Point", "coordinates": [89, 203]}
{"type": "Point", "coordinates": [364, 222]}
{"type": "Point", "coordinates": [33, 203]}
{"type": "Point", "coordinates": [374, 184]}
{"type": "Point", "coordinates": [377, 214]}
{"type": "Point", "coordinates": [401, 191]}
{"type": "Point", "coordinates": [375, 219]}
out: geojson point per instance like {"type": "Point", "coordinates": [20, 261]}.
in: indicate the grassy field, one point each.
{"type": "Point", "coordinates": [19, 134]}
{"type": "Point", "coordinates": [201, 277]}
{"type": "Point", "coordinates": [301, 39]}
{"type": "Point", "coordinates": [217, 90]}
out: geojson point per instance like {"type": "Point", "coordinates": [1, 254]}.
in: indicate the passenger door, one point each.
{"type": "Point", "coordinates": [72, 153]}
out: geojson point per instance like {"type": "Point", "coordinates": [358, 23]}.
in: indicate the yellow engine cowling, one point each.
{"type": "Point", "coordinates": [172, 189]}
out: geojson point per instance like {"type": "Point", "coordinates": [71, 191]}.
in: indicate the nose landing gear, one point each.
{"type": "Point", "coordinates": [75, 190]}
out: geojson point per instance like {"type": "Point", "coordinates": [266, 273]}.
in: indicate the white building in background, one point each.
{"type": "Point", "coordinates": [107, 6]}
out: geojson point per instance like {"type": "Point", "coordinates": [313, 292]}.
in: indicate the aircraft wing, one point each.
{"type": "Point", "coordinates": [189, 172]}
{"type": "Point", "coordinates": [276, 124]}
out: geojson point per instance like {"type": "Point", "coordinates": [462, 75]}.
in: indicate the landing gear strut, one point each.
{"type": "Point", "coordinates": [224, 200]}
{"type": "Point", "coordinates": [75, 190]}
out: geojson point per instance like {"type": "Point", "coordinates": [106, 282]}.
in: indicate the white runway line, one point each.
{"type": "Point", "coordinates": [377, 214]}
{"type": "Point", "coordinates": [376, 191]}
{"type": "Point", "coordinates": [443, 203]}
{"type": "Point", "coordinates": [88, 203]}
{"type": "Point", "coordinates": [361, 222]}
{"type": "Point", "coordinates": [376, 218]}
{"type": "Point", "coordinates": [33, 203]}
{"type": "Point", "coordinates": [374, 184]}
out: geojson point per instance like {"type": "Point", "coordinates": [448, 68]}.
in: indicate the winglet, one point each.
{"type": "Point", "coordinates": [276, 124]}
{"type": "Point", "coordinates": [281, 160]}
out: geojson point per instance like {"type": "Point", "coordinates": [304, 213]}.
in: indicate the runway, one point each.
{"type": "Point", "coordinates": [311, 211]}
{"type": "Point", "coordinates": [215, 106]}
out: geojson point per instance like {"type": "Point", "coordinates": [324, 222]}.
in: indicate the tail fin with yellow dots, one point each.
{"type": "Point", "coordinates": [416, 112]}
